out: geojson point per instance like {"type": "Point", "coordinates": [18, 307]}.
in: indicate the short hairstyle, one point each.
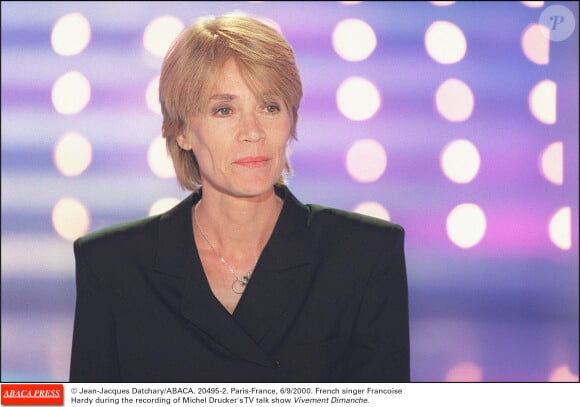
{"type": "Point", "coordinates": [190, 70]}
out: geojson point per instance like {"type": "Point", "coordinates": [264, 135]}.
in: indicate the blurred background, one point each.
{"type": "Point", "coordinates": [457, 120]}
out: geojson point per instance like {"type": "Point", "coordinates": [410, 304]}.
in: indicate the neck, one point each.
{"type": "Point", "coordinates": [238, 227]}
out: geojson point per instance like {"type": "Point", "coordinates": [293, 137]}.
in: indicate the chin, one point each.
{"type": "Point", "coordinates": [256, 188]}
{"type": "Point", "coordinates": [256, 192]}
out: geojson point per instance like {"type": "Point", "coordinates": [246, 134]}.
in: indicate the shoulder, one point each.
{"type": "Point", "coordinates": [120, 237]}
{"type": "Point", "coordinates": [333, 219]}
{"type": "Point", "coordinates": [337, 231]}
{"type": "Point", "coordinates": [334, 227]}
{"type": "Point", "coordinates": [352, 247]}
{"type": "Point", "coordinates": [140, 233]}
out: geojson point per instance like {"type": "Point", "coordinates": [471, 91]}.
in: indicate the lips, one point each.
{"type": "Point", "coordinates": [253, 162]}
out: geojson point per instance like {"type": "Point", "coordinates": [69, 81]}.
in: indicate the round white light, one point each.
{"type": "Point", "coordinates": [454, 100]}
{"type": "Point", "coordinates": [460, 161]}
{"type": "Point", "coordinates": [160, 34]}
{"type": "Point", "coordinates": [366, 160]}
{"type": "Point", "coordinates": [159, 160]}
{"type": "Point", "coordinates": [72, 154]}
{"type": "Point", "coordinates": [560, 228]}
{"type": "Point", "coordinates": [536, 44]}
{"type": "Point", "coordinates": [445, 42]}
{"type": "Point", "coordinates": [353, 39]}
{"type": "Point", "coordinates": [70, 218]}
{"type": "Point", "coordinates": [71, 93]}
{"type": "Point", "coordinates": [552, 163]}
{"type": "Point", "coordinates": [358, 99]}
{"type": "Point", "coordinates": [542, 101]}
{"type": "Point", "coordinates": [466, 225]}
{"type": "Point", "coordinates": [71, 34]}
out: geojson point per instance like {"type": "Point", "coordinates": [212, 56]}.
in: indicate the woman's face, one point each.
{"type": "Point", "coordinates": [239, 138]}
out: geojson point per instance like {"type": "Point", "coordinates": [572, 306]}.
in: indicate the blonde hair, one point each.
{"type": "Point", "coordinates": [190, 70]}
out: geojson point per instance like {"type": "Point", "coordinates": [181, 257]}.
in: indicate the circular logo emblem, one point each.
{"type": "Point", "coordinates": [559, 21]}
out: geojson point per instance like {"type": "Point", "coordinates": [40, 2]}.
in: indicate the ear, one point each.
{"type": "Point", "coordinates": [183, 142]}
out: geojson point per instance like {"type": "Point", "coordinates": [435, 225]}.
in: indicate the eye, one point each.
{"type": "Point", "coordinates": [223, 111]}
{"type": "Point", "coordinates": [272, 108]}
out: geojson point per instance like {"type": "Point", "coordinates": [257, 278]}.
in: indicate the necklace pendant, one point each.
{"type": "Point", "coordinates": [238, 287]}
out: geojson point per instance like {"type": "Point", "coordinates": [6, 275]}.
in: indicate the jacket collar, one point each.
{"type": "Point", "coordinates": [278, 287]}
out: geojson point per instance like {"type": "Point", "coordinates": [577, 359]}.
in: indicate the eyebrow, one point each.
{"type": "Point", "coordinates": [224, 96]}
{"type": "Point", "coordinates": [227, 96]}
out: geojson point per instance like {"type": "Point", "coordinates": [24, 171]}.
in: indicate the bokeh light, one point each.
{"type": "Point", "coordinates": [70, 218]}
{"type": "Point", "coordinates": [72, 154]}
{"type": "Point", "coordinates": [358, 99]}
{"type": "Point", "coordinates": [533, 4]}
{"type": "Point", "coordinates": [466, 225]}
{"type": "Point", "coordinates": [442, 3]}
{"type": "Point", "coordinates": [372, 208]}
{"type": "Point", "coordinates": [562, 374]}
{"type": "Point", "coordinates": [542, 101]}
{"type": "Point", "coordinates": [552, 163]}
{"type": "Point", "coordinates": [159, 160]}
{"type": "Point", "coordinates": [445, 42]}
{"type": "Point", "coordinates": [71, 93]}
{"type": "Point", "coordinates": [460, 161]}
{"type": "Point", "coordinates": [152, 96]}
{"type": "Point", "coordinates": [71, 34]}
{"type": "Point", "coordinates": [354, 39]}
{"type": "Point", "coordinates": [560, 228]}
{"type": "Point", "coordinates": [454, 100]}
{"type": "Point", "coordinates": [366, 160]}
{"type": "Point", "coordinates": [160, 34]}
{"type": "Point", "coordinates": [163, 205]}
{"type": "Point", "coordinates": [536, 44]}
{"type": "Point", "coordinates": [464, 372]}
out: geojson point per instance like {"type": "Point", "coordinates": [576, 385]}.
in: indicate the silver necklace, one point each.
{"type": "Point", "coordinates": [239, 284]}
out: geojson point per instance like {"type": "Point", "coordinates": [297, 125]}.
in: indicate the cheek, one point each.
{"type": "Point", "coordinates": [282, 131]}
{"type": "Point", "coordinates": [213, 155]}
{"type": "Point", "coordinates": [201, 145]}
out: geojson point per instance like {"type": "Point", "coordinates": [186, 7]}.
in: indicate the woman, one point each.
{"type": "Point", "coordinates": [240, 282]}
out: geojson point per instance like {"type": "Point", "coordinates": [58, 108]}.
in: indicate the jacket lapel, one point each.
{"type": "Point", "coordinates": [201, 308]}
{"type": "Point", "coordinates": [281, 279]}
{"type": "Point", "coordinates": [278, 286]}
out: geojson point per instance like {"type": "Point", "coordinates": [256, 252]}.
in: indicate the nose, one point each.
{"type": "Point", "coordinates": [250, 129]}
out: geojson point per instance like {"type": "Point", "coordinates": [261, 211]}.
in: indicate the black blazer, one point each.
{"type": "Point", "coordinates": [327, 303]}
